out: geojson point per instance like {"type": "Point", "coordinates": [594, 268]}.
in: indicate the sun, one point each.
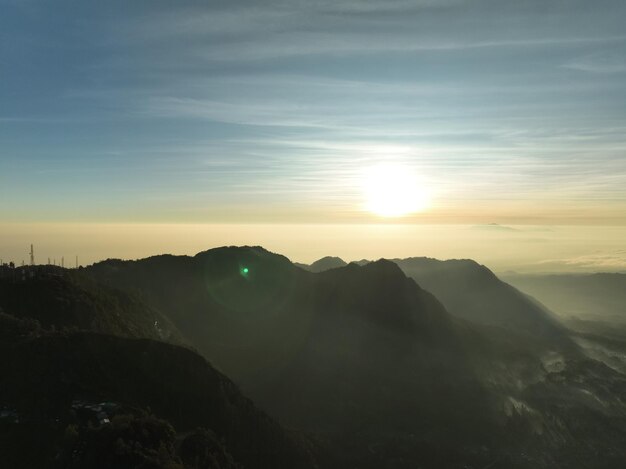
{"type": "Point", "coordinates": [393, 190]}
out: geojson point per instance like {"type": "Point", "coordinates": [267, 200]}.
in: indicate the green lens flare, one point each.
{"type": "Point", "coordinates": [245, 270]}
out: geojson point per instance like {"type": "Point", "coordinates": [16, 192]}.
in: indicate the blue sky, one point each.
{"type": "Point", "coordinates": [237, 112]}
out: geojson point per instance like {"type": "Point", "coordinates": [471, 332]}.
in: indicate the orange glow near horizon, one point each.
{"type": "Point", "coordinates": [523, 248]}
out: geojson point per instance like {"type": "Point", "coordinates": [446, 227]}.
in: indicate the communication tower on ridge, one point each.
{"type": "Point", "coordinates": [32, 255]}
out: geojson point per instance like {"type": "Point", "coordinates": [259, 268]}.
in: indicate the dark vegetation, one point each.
{"type": "Point", "coordinates": [44, 374]}
{"type": "Point", "coordinates": [66, 300]}
{"type": "Point", "coordinates": [48, 359]}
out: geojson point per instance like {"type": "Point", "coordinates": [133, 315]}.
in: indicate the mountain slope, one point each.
{"type": "Point", "coordinates": [175, 383]}
{"type": "Point", "coordinates": [63, 299]}
{"type": "Point", "coordinates": [375, 366]}
{"type": "Point", "coordinates": [471, 291]}
{"type": "Point", "coordinates": [244, 322]}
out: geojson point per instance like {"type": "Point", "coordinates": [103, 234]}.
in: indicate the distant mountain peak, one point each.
{"type": "Point", "coordinates": [456, 266]}
{"type": "Point", "coordinates": [325, 263]}
{"type": "Point", "coordinates": [384, 266]}
{"type": "Point", "coordinates": [329, 259]}
{"type": "Point", "coordinates": [237, 249]}
{"type": "Point", "coordinates": [329, 262]}
{"type": "Point", "coordinates": [472, 291]}
{"type": "Point", "coordinates": [243, 253]}
{"type": "Point", "coordinates": [434, 260]}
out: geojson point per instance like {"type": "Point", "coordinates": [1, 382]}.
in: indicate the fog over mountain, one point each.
{"type": "Point", "coordinates": [597, 297]}
{"type": "Point", "coordinates": [591, 305]}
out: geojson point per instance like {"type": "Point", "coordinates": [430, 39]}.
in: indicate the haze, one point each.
{"type": "Point", "coordinates": [531, 249]}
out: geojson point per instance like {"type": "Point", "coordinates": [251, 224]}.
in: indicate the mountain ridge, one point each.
{"type": "Point", "coordinates": [366, 357]}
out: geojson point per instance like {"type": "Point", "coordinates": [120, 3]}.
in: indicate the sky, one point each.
{"type": "Point", "coordinates": [271, 113]}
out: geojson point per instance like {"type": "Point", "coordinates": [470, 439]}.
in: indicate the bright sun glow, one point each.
{"type": "Point", "coordinates": [393, 191]}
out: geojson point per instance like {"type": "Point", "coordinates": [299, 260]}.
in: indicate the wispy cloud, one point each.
{"type": "Point", "coordinates": [496, 227]}
{"type": "Point", "coordinates": [600, 63]}
{"type": "Point", "coordinates": [599, 261]}
{"type": "Point", "coordinates": [275, 101]}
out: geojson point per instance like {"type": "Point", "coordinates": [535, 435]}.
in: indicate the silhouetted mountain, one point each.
{"type": "Point", "coordinates": [356, 351]}
{"type": "Point", "coordinates": [369, 360]}
{"type": "Point", "coordinates": [45, 376]}
{"type": "Point", "coordinates": [267, 312]}
{"type": "Point", "coordinates": [471, 291]}
{"type": "Point", "coordinates": [325, 263]}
